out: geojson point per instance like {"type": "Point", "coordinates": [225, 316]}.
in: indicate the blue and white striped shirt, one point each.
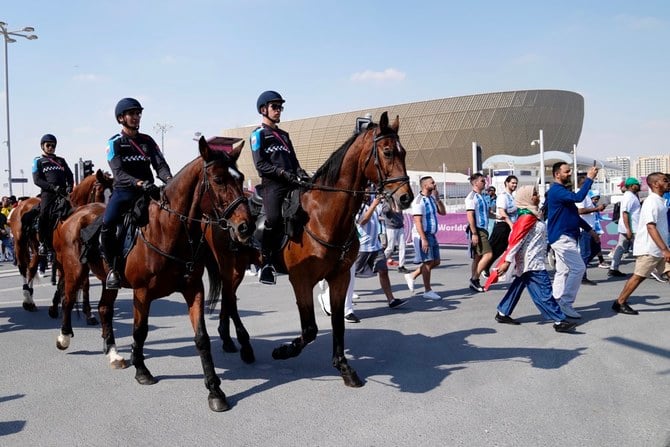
{"type": "Point", "coordinates": [426, 207]}
{"type": "Point", "coordinates": [368, 234]}
{"type": "Point", "coordinates": [475, 202]}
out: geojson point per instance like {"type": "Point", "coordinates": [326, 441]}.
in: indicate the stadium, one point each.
{"type": "Point", "coordinates": [439, 133]}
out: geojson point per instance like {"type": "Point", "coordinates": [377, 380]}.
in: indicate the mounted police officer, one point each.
{"type": "Point", "coordinates": [279, 169]}
{"type": "Point", "coordinates": [130, 155]}
{"type": "Point", "coordinates": [54, 177]}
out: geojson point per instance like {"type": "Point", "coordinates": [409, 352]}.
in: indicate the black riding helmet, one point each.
{"type": "Point", "coordinates": [48, 138]}
{"type": "Point", "coordinates": [266, 97]}
{"type": "Point", "coordinates": [125, 105]}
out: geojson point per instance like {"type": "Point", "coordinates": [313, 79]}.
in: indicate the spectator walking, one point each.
{"type": "Point", "coordinates": [589, 240]}
{"type": "Point", "coordinates": [425, 208]}
{"type": "Point", "coordinates": [563, 227]}
{"type": "Point", "coordinates": [628, 220]}
{"type": "Point", "coordinates": [478, 213]}
{"type": "Point", "coordinates": [528, 252]}
{"type": "Point", "coordinates": [598, 227]}
{"type": "Point", "coordinates": [505, 218]}
{"type": "Point", "coordinates": [395, 236]}
{"type": "Point", "coordinates": [650, 247]}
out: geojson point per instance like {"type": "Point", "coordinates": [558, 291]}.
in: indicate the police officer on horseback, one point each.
{"type": "Point", "coordinates": [279, 169]}
{"type": "Point", "coordinates": [130, 155]}
{"type": "Point", "coordinates": [54, 177]}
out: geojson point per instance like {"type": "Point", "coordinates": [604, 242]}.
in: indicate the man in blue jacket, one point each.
{"type": "Point", "coordinates": [563, 225]}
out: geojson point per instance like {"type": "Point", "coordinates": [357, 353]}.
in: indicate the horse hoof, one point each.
{"type": "Point", "coordinates": [145, 379]}
{"type": "Point", "coordinates": [218, 402]}
{"type": "Point", "coordinates": [63, 342]}
{"type": "Point", "coordinates": [285, 352]}
{"type": "Point", "coordinates": [92, 321]}
{"type": "Point", "coordinates": [53, 312]}
{"type": "Point", "coordinates": [229, 347]}
{"type": "Point", "coordinates": [30, 307]}
{"type": "Point", "coordinates": [352, 380]}
{"type": "Point", "coordinates": [118, 364]}
{"type": "Point", "coordinates": [247, 355]}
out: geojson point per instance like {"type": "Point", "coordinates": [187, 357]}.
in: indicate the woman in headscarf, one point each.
{"type": "Point", "coordinates": [528, 251]}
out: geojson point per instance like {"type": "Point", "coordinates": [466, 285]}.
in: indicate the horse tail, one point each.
{"type": "Point", "coordinates": [215, 283]}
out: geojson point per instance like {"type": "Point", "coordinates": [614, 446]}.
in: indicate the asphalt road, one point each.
{"type": "Point", "coordinates": [436, 373]}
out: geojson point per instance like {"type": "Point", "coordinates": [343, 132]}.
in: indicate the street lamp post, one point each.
{"type": "Point", "coordinates": [541, 143]}
{"type": "Point", "coordinates": [162, 128]}
{"type": "Point", "coordinates": [6, 37]}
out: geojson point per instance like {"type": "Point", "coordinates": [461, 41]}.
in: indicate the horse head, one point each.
{"type": "Point", "coordinates": [384, 165]}
{"type": "Point", "coordinates": [92, 189]}
{"type": "Point", "coordinates": [102, 188]}
{"type": "Point", "coordinates": [224, 199]}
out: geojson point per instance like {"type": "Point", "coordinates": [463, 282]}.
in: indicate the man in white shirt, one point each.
{"type": "Point", "coordinates": [650, 248]}
{"type": "Point", "coordinates": [630, 215]}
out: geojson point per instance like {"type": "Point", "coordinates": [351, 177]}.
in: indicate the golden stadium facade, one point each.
{"type": "Point", "coordinates": [441, 131]}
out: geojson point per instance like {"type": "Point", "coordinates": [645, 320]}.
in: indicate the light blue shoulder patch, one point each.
{"type": "Point", "coordinates": [35, 164]}
{"type": "Point", "coordinates": [110, 147]}
{"type": "Point", "coordinates": [255, 139]}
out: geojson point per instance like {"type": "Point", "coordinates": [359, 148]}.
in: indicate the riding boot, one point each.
{"type": "Point", "coordinates": [267, 273]}
{"type": "Point", "coordinates": [108, 242]}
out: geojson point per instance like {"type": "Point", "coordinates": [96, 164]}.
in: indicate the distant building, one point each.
{"type": "Point", "coordinates": [656, 163]}
{"type": "Point", "coordinates": [624, 163]}
{"type": "Point", "coordinates": [440, 132]}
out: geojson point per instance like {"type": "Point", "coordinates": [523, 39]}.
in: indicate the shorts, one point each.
{"type": "Point", "coordinates": [433, 252]}
{"type": "Point", "coordinates": [483, 246]}
{"type": "Point", "coordinates": [368, 264]}
{"type": "Point", "coordinates": [646, 264]}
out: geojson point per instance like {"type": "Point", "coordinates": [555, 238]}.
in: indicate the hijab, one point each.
{"type": "Point", "coordinates": [523, 200]}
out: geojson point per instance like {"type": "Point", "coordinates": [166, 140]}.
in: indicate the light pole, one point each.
{"type": "Point", "coordinates": [6, 37]}
{"type": "Point", "coordinates": [541, 143]}
{"type": "Point", "coordinates": [162, 128]}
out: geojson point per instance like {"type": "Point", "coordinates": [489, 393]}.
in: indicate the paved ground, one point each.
{"type": "Point", "coordinates": [437, 373]}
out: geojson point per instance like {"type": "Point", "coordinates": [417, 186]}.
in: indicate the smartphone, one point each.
{"type": "Point", "coordinates": [594, 163]}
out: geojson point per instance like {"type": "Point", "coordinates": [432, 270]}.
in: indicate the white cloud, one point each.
{"type": "Point", "coordinates": [87, 77]}
{"type": "Point", "coordinates": [390, 74]}
{"type": "Point", "coordinates": [639, 23]}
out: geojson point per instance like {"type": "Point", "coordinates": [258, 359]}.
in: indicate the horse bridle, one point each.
{"type": "Point", "coordinates": [224, 216]}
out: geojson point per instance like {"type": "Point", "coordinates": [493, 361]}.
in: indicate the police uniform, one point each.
{"type": "Point", "coordinates": [131, 160]}
{"type": "Point", "coordinates": [50, 173]}
{"type": "Point", "coordinates": [273, 156]}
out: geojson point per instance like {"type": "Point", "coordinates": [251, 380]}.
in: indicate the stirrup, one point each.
{"type": "Point", "coordinates": [112, 282]}
{"type": "Point", "coordinates": [267, 275]}
{"type": "Point", "coordinates": [42, 249]}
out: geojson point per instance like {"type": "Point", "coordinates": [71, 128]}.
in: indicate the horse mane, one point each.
{"type": "Point", "coordinates": [81, 192]}
{"type": "Point", "coordinates": [330, 170]}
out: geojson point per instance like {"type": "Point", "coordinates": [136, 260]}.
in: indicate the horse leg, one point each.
{"type": "Point", "coordinates": [86, 303]}
{"type": "Point", "coordinates": [228, 345]}
{"type": "Point", "coordinates": [69, 297]}
{"type": "Point", "coordinates": [141, 306]}
{"type": "Point", "coordinates": [29, 271]}
{"type": "Point", "coordinates": [196, 312]}
{"type": "Point", "coordinates": [338, 289]}
{"type": "Point", "coordinates": [229, 311]}
{"type": "Point", "coordinates": [106, 312]}
{"type": "Point", "coordinates": [55, 301]}
{"type": "Point", "coordinates": [305, 302]}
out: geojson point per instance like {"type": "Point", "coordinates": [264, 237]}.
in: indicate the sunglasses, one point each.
{"type": "Point", "coordinates": [134, 113]}
{"type": "Point", "coordinates": [50, 145]}
{"type": "Point", "coordinates": [277, 107]}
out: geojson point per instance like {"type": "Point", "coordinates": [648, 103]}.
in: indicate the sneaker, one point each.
{"type": "Point", "coordinates": [588, 282]}
{"type": "Point", "coordinates": [42, 274]}
{"type": "Point", "coordinates": [505, 319]}
{"type": "Point", "coordinates": [564, 326]}
{"type": "Point", "coordinates": [249, 272]}
{"type": "Point", "coordinates": [616, 273]}
{"type": "Point", "coordinates": [392, 263]}
{"type": "Point", "coordinates": [431, 295]}
{"type": "Point", "coordinates": [402, 269]}
{"type": "Point", "coordinates": [476, 286]}
{"type": "Point", "coordinates": [623, 308]}
{"type": "Point", "coordinates": [568, 310]}
{"type": "Point", "coordinates": [410, 282]}
{"type": "Point", "coordinates": [354, 296]}
{"type": "Point", "coordinates": [323, 304]}
{"type": "Point", "coordinates": [267, 275]}
{"type": "Point", "coordinates": [395, 303]}
{"type": "Point", "coordinates": [352, 318]}
{"type": "Point", "coordinates": [604, 265]}
{"type": "Point", "coordinates": [658, 277]}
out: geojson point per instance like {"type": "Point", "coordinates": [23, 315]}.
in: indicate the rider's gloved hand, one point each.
{"type": "Point", "coordinates": [303, 175]}
{"type": "Point", "coordinates": [289, 177]}
{"type": "Point", "coordinates": [68, 190]}
{"type": "Point", "coordinates": [150, 189]}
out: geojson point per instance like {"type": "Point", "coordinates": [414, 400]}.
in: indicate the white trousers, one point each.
{"type": "Point", "coordinates": [348, 300]}
{"type": "Point", "coordinates": [570, 269]}
{"type": "Point", "coordinates": [395, 236]}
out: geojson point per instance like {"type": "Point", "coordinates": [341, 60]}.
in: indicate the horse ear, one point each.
{"type": "Point", "coordinates": [100, 176]}
{"type": "Point", "coordinates": [205, 151]}
{"type": "Point", "coordinates": [236, 150]}
{"type": "Point", "coordinates": [395, 125]}
{"type": "Point", "coordinates": [384, 121]}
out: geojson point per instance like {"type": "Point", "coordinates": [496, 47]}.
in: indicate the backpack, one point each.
{"type": "Point", "coordinates": [616, 213]}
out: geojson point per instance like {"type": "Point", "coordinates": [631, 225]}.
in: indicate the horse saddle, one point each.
{"type": "Point", "coordinates": [61, 209]}
{"type": "Point", "coordinates": [294, 217]}
{"type": "Point", "coordinates": [133, 219]}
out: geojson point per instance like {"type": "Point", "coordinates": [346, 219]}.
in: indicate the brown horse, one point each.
{"type": "Point", "coordinates": [169, 256]}
{"type": "Point", "coordinates": [90, 189]}
{"type": "Point", "coordinates": [328, 245]}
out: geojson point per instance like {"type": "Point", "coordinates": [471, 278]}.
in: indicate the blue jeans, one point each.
{"type": "Point", "coordinates": [539, 288]}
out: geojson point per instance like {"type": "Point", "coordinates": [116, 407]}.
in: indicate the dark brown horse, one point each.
{"type": "Point", "coordinates": [91, 189]}
{"type": "Point", "coordinates": [328, 245]}
{"type": "Point", "coordinates": [169, 256]}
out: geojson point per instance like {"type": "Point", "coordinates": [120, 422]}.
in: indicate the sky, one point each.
{"type": "Point", "coordinates": [198, 66]}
